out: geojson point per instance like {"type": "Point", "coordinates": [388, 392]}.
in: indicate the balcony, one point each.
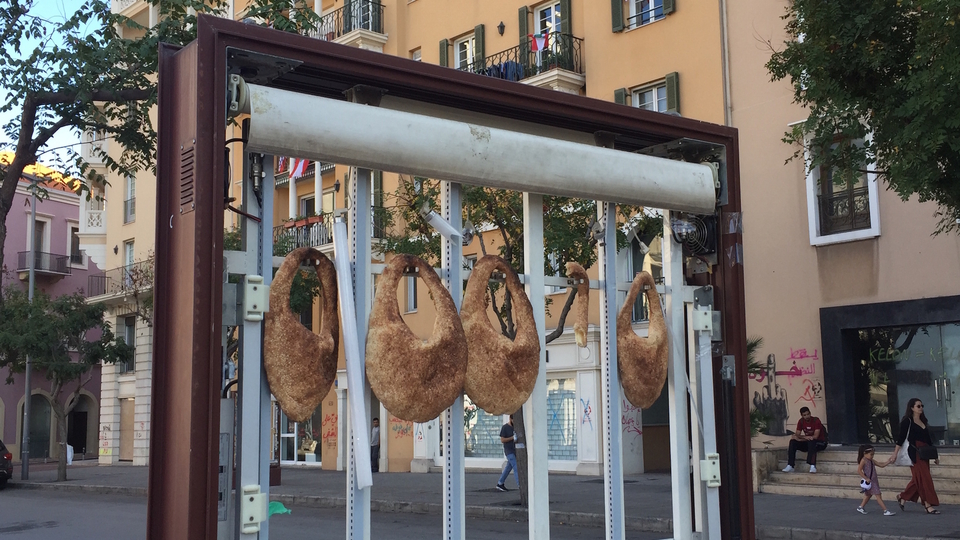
{"type": "Point", "coordinates": [559, 66]}
{"type": "Point", "coordinates": [317, 232]}
{"type": "Point", "coordinates": [362, 23]}
{"type": "Point", "coordinates": [282, 177]}
{"type": "Point", "coordinates": [847, 210]}
{"type": "Point", "coordinates": [44, 265]}
{"type": "Point", "coordinates": [123, 280]}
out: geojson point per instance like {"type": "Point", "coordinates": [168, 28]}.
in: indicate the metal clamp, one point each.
{"type": "Point", "coordinates": [255, 295]}
{"type": "Point", "coordinates": [710, 470]}
{"type": "Point", "coordinates": [253, 509]}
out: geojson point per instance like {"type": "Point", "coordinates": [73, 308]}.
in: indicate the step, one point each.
{"type": "Point", "coordinates": [890, 493]}
{"type": "Point", "coordinates": [850, 467]}
{"type": "Point", "coordinates": [853, 480]}
{"type": "Point", "coordinates": [948, 457]}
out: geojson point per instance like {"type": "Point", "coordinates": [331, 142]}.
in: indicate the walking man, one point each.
{"type": "Point", "coordinates": [509, 439]}
{"type": "Point", "coordinates": [810, 436]}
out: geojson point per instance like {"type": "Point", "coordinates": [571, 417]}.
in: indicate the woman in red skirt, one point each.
{"type": "Point", "coordinates": [914, 432]}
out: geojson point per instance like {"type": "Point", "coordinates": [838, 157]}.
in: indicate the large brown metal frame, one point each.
{"type": "Point", "coordinates": [189, 244]}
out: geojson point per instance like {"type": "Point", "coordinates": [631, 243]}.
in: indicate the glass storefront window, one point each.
{"type": "Point", "coordinates": [562, 419]}
{"type": "Point", "coordinates": [481, 431]}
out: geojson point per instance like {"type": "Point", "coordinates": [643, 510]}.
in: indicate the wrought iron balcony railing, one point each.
{"type": "Point", "coordinates": [316, 231]}
{"type": "Point", "coordinates": [360, 14]}
{"type": "Point", "coordinates": [44, 263]}
{"type": "Point", "coordinates": [847, 210]}
{"type": "Point", "coordinates": [517, 63]}
{"type": "Point", "coordinates": [136, 276]}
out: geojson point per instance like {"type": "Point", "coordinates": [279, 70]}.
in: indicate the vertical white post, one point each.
{"type": "Point", "coordinates": [696, 438]}
{"type": "Point", "coordinates": [677, 385]}
{"type": "Point", "coordinates": [612, 431]}
{"type": "Point", "coordinates": [317, 189]}
{"type": "Point", "coordinates": [535, 409]}
{"type": "Point", "coordinates": [453, 460]}
{"type": "Point", "coordinates": [711, 514]}
{"type": "Point", "coordinates": [291, 192]}
{"type": "Point", "coordinates": [358, 499]}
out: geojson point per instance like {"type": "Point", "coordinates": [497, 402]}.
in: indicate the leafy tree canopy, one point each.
{"type": "Point", "coordinates": [886, 72]}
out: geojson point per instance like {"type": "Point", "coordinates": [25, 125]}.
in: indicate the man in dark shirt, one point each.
{"type": "Point", "coordinates": [811, 437]}
{"type": "Point", "coordinates": [509, 439]}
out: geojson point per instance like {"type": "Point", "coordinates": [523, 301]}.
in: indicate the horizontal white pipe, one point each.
{"type": "Point", "coordinates": [305, 126]}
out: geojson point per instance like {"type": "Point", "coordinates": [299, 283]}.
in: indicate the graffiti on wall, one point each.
{"type": "Point", "coordinates": [587, 417]}
{"type": "Point", "coordinates": [628, 419]}
{"type": "Point", "coordinates": [401, 428]}
{"type": "Point", "coordinates": [328, 433]}
{"type": "Point", "coordinates": [800, 380]}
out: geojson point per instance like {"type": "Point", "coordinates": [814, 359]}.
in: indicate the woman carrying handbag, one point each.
{"type": "Point", "coordinates": [914, 439]}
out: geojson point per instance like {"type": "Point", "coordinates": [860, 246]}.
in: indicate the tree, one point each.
{"type": "Point", "coordinates": [81, 74]}
{"type": "Point", "coordinates": [886, 72]}
{"type": "Point", "coordinates": [567, 225]}
{"type": "Point", "coordinates": [64, 337]}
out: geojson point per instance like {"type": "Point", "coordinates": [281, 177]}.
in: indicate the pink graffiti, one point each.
{"type": "Point", "coordinates": [400, 428]}
{"type": "Point", "coordinates": [811, 392]}
{"type": "Point", "coordinates": [629, 423]}
{"type": "Point", "coordinates": [800, 354]}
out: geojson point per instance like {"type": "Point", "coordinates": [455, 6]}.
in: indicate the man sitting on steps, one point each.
{"type": "Point", "coordinates": [811, 437]}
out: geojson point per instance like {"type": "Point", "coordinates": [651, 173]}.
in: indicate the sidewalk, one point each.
{"type": "Point", "coordinates": [574, 499]}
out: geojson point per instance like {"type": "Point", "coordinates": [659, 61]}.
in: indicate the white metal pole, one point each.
{"type": "Point", "coordinates": [25, 442]}
{"type": "Point", "coordinates": [711, 515]}
{"type": "Point", "coordinates": [677, 385]}
{"type": "Point", "coordinates": [454, 499]}
{"type": "Point", "coordinates": [612, 444]}
{"type": "Point", "coordinates": [696, 427]}
{"type": "Point", "coordinates": [535, 409]}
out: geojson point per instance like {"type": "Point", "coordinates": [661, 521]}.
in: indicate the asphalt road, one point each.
{"type": "Point", "coordinates": [50, 515]}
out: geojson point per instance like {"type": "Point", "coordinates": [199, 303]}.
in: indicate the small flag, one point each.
{"type": "Point", "coordinates": [298, 167]}
{"type": "Point", "coordinates": [539, 42]}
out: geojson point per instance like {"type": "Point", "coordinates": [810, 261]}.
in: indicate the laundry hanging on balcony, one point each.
{"type": "Point", "coordinates": [539, 42]}
{"type": "Point", "coordinates": [298, 167]}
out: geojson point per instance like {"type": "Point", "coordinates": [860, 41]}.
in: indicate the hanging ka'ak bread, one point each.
{"type": "Point", "coordinates": [415, 380]}
{"type": "Point", "coordinates": [642, 362]}
{"type": "Point", "coordinates": [301, 365]}
{"type": "Point", "coordinates": [577, 273]}
{"type": "Point", "coordinates": [500, 372]}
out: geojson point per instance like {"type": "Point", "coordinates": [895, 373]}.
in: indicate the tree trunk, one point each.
{"type": "Point", "coordinates": [521, 456]}
{"type": "Point", "coordinates": [61, 415]}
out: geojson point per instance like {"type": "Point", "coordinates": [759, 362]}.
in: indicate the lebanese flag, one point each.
{"type": "Point", "coordinates": [298, 167]}
{"type": "Point", "coordinates": [539, 42]}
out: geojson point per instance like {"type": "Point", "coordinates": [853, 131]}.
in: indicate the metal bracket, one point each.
{"type": "Point", "coordinates": [255, 295]}
{"type": "Point", "coordinates": [710, 470]}
{"type": "Point", "coordinates": [703, 297]}
{"type": "Point", "coordinates": [728, 371]}
{"type": "Point", "coordinates": [365, 94]}
{"type": "Point", "coordinates": [253, 509]}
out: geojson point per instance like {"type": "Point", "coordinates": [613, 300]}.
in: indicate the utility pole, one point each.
{"type": "Point", "coordinates": [25, 447]}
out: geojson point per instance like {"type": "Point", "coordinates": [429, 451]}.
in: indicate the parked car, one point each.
{"type": "Point", "coordinates": [6, 465]}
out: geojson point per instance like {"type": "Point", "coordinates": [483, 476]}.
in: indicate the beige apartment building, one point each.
{"type": "Point", "coordinates": [827, 269]}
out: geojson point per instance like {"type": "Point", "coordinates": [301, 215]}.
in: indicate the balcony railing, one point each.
{"type": "Point", "coordinates": [44, 263]}
{"type": "Point", "coordinates": [130, 210]}
{"type": "Point", "coordinates": [564, 52]}
{"type": "Point", "coordinates": [317, 233]}
{"type": "Point", "coordinates": [847, 210]}
{"type": "Point", "coordinates": [361, 14]}
{"type": "Point", "coordinates": [282, 177]}
{"type": "Point", "coordinates": [137, 276]}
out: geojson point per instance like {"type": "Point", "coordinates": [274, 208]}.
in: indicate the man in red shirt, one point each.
{"type": "Point", "coordinates": [811, 437]}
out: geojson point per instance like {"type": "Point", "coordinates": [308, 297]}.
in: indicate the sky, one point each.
{"type": "Point", "coordinates": [56, 10]}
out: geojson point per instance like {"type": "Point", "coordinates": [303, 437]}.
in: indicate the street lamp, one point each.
{"type": "Point", "coordinates": [25, 446]}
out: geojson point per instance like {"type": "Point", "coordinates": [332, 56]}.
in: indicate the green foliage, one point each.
{"type": "Point", "coordinates": [231, 239]}
{"type": "Point", "coordinates": [64, 336]}
{"type": "Point", "coordinates": [305, 287]}
{"type": "Point", "coordinates": [889, 69]}
{"type": "Point", "coordinates": [758, 419]}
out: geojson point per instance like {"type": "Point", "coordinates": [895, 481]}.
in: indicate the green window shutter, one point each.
{"type": "Point", "coordinates": [444, 52]}
{"type": "Point", "coordinates": [616, 10]}
{"type": "Point", "coordinates": [673, 92]}
{"type": "Point", "coordinates": [347, 15]}
{"type": "Point", "coordinates": [565, 17]}
{"type": "Point", "coordinates": [377, 19]}
{"type": "Point", "coordinates": [524, 33]}
{"type": "Point", "coordinates": [669, 6]}
{"type": "Point", "coordinates": [620, 96]}
{"type": "Point", "coordinates": [378, 188]}
{"type": "Point", "coordinates": [478, 55]}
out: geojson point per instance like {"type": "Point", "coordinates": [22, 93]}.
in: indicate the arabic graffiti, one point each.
{"type": "Point", "coordinates": [630, 419]}
{"type": "Point", "coordinates": [587, 413]}
{"type": "Point", "coordinates": [328, 433]}
{"type": "Point", "coordinates": [401, 428]}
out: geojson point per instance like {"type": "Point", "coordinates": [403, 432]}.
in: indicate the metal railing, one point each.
{"type": "Point", "coordinates": [847, 210]}
{"type": "Point", "coordinates": [45, 263]}
{"type": "Point", "coordinates": [287, 238]}
{"type": "Point", "coordinates": [361, 14]}
{"type": "Point", "coordinates": [282, 177]}
{"type": "Point", "coordinates": [130, 210]}
{"type": "Point", "coordinates": [517, 63]}
{"type": "Point", "coordinates": [136, 276]}
{"type": "Point", "coordinates": [647, 16]}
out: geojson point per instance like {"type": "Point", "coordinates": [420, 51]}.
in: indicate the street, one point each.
{"type": "Point", "coordinates": [42, 515]}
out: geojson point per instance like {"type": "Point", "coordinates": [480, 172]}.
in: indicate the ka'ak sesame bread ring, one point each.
{"type": "Point", "coordinates": [642, 362]}
{"type": "Point", "coordinates": [576, 272]}
{"type": "Point", "coordinates": [415, 380]}
{"type": "Point", "coordinates": [500, 373]}
{"type": "Point", "coordinates": [301, 365]}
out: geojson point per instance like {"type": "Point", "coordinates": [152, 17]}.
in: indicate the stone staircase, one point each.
{"type": "Point", "coordinates": [836, 476]}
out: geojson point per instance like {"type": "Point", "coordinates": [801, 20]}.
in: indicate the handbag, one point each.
{"type": "Point", "coordinates": [927, 453]}
{"type": "Point", "coordinates": [903, 457]}
{"type": "Point", "coordinates": [864, 485]}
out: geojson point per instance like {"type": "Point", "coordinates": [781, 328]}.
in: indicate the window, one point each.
{"type": "Point", "coordinates": [645, 12]}
{"type": "Point", "coordinates": [842, 212]}
{"type": "Point", "coordinates": [130, 200]}
{"type": "Point", "coordinates": [411, 294]}
{"type": "Point", "coordinates": [326, 203]}
{"type": "Point", "coordinates": [76, 255]}
{"type": "Point", "coordinates": [40, 240]}
{"type": "Point", "coordinates": [415, 55]}
{"type": "Point", "coordinates": [465, 50]}
{"type": "Point", "coordinates": [130, 338]}
{"type": "Point", "coordinates": [548, 19]}
{"type": "Point", "coordinates": [652, 98]}
{"type": "Point", "coordinates": [308, 205]}
{"type": "Point", "coordinates": [554, 262]}
{"type": "Point", "coordinates": [562, 413]}
{"type": "Point", "coordinates": [128, 263]}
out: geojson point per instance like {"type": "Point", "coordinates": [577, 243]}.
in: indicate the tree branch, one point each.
{"type": "Point", "coordinates": [558, 331]}
{"type": "Point", "coordinates": [119, 96]}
